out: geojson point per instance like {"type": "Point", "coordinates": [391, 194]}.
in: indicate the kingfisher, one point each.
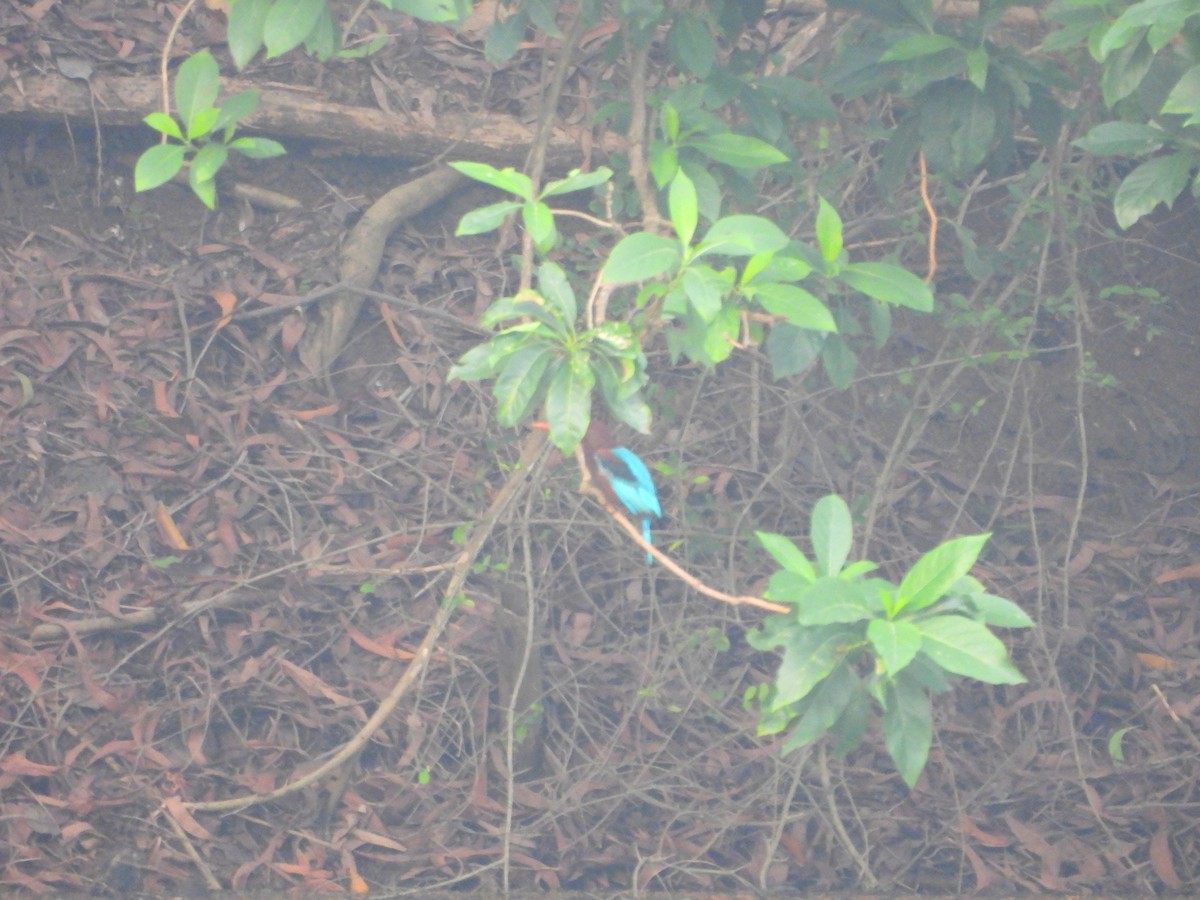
{"type": "Point", "coordinates": [621, 476]}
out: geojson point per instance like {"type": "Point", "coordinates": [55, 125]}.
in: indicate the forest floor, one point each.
{"type": "Point", "coordinates": [215, 564]}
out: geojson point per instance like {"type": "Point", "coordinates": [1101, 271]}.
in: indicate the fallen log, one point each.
{"type": "Point", "coordinates": [299, 114]}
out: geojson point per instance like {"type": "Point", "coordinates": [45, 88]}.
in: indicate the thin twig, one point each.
{"type": "Point", "coordinates": [586, 486]}
{"type": "Point", "coordinates": [165, 59]}
{"type": "Point", "coordinates": [535, 444]}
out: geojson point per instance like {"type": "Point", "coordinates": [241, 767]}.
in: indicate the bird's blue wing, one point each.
{"type": "Point", "coordinates": [631, 482]}
{"type": "Point", "coordinates": [633, 486]}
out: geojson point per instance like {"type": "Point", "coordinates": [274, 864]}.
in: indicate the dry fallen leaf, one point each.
{"type": "Point", "coordinates": [170, 531]}
{"type": "Point", "coordinates": [186, 820]}
{"type": "Point", "coordinates": [227, 302]}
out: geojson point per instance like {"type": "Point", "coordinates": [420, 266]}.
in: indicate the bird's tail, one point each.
{"type": "Point", "coordinates": [646, 535]}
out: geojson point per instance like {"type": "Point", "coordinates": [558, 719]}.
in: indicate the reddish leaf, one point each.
{"type": "Point", "coordinates": [1179, 574]}
{"type": "Point", "coordinates": [227, 302]}
{"type": "Point", "coordinates": [186, 820]}
{"type": "Point", "coordinates": [170, 531]}
{"type": "Point", "coordinates": [1051, 859]}
{"type": "Point", "coordinates": [314, 686]}
{"type": "Point", "coordinates": [1160, 858]}
{"type": "Point", "coordinates": [18, 764]}
{"type": "Point", "coordinates": [984, 837]}
{"type": "Point", "coordinates": [307, 415]}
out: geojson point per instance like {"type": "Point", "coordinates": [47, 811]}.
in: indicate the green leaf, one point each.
{"type": "Point", "coordinates": [977, 67]}
{"type": "Point", "coordinates": [504, 38]}
{"type": "Point", "coordinates": [754, 266]}
{"type": "Point", "coordinates": [787, 554]}
{"type": "Point", "coordinates": [851, 726]}
{"type": "Point", "coordinates": [918, 45]}
{"type": "Point", "coordinates": [792, 350]}
{"type": "Point", "coordinates": [966, 647]}
{"type": "Point", "coordinates": [486, 218]}
{"type": "Point", "coordinates": [722, 334]}
{"type": "Point", "coordinates": [205, 190]}
{"type": "Point", "coordinates": [1166, 16]}
{"type": "Point", "coordinates": [691, 45]}
{"type": "Point", "coordinates": [322, 40]}
{"type": "Point", "coordinates": [738, 150]}
{"type": "Point", "coordinates": [556, 288]}
{"type": "Point", "coordinates": [157, 166]}
{"type": "Point", "coordinates": [1045, 115]}
{"type": "Point", "coordinates": [432, 10]}
{"type": "Point", "coordinates": [684, 207]}
{"type": "Point", "coordinates": [902, 146]}
{"type": "Point", "coordinates": [879, 322]}
{"type": "Point", "coordinates": [569, 402]}
{"type": "Point", "coordinates": [208, 161]}
{"type": "Point", "coordinates": [519, 383]}
{"type": "Point", "coordinates": [742, 236]}
{"type": "Point", "coordinates": [889, 283]}
{"type": "Point", "coordinates": [236, 108]}
{"type": "Point", "coordinates": [829, 230]}
{"type": "Point", "coordinates": [1184, 98]}
{"type": "Point", "coordinates": [1000, 612]}
{"type": "Point", "coordinates": [708, 190]}
{"type": "Point", "coordinates": [1158, 180]}
{"type": "Point", "coordinates": [1121, 139]}
{"type": "Point", "coordinates": [163, 123]}
{"type": "Point", "coordinates": [508, 180]}
{"type": "Point", "coordinates": [1116, 750]}
{"type": "Point", "coordinates": [289, 23]}
{"type": "Point", "coordinates": [830, 600]}
{"type": "Point", "coordinates": [933, 574]}
{"type": "Point", "coordinates": [618, 338]}
{"type": "Point", "coordinates": [858, 569]}
{"type": "Point", "coordinates": [928, 674]}
{"type": "Point", "coordinates": [542, 14]}
{"type": "Point", "coordinates": [1167, 20]}
{"type": "Point", "coordinates": [908, 728]}
{"type": "Point", "coordinates": [539, 222]}
{"type": "Point", "coordinates": [664, 162]}
{"type": "Point", "coordinates": [808, 657]}
{"type": "Point", "coordinates": [957, 126]}
{"type": "Point", "coordinates": [823, 708]}
{"type": "Point", "coordinates": [577, 181]}
{"type": "Point", "coordinates": [633, 411]}
{"type": "Point", "coordinates": [895, 643]}
{"type": "Point", "coordinates": [202, 122]}
{"type": "Point", "coordinates": [788, 587]}
{"type": "Point", "coordinates": [257, 147]}
{"type": "Point", "coordinates": [839, 361]}
{"type": "Point", "coordinates": [705, 290]}
{"type": "Point", "coordinates": [196, 85]}
{"type": "Point", "coordinates": [639, 257]}
{"type": "Point", "coordinates": [484, 360]}
{"type": "Point", "coordinates": [1124, 71]}
{"type": "Point", "coordinates": [370, 48]}
{"type": "Point", "coordinates": [668, 119]}
{"type": "Point", "coordinates": [784, 268]}
{"type": "Point", "coordinates": [795, 304]}
{"type": "Point", "coordinates": [832, 533]}
{"type": "Point", "coordinates": [527, 303]}
{"type": "Point", "coordinates": [245, 30]}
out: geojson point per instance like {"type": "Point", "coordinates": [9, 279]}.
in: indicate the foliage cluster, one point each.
{"type": "Point", "coordinates": [906, 637]}
{"type": "Point", "coordinates": [1150, 81]}
{"type": "Point", "coordinates": [729, 280]}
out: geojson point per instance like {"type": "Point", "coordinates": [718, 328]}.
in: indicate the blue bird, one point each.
{"type": "Point", "coordinates": [622, 477]}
